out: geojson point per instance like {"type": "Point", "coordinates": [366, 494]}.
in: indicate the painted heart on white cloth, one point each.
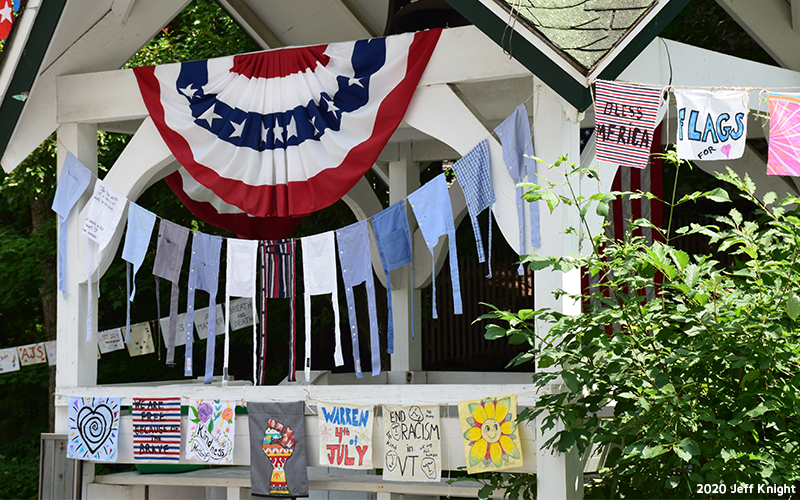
{"type": "Point", "coordinates": [94, 425]}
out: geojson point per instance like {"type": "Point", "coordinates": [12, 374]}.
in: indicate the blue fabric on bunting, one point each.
{"type": "Point", "coordinates": [515, 137]}
{"type": "Point", "coordinates": [203, 275]}
{"type": "Point", "coordinates": [434, 213]}
{"type": "Point", "coordinates": [72, 183]}
{"type": "Point", "coordinates": [137, 239]}
{"type": "Point", "coordinates": [172, 240]}
{"type": "Point", "coordinates": [394, 247]}
{"type": "Point", "coordinates": [354, 258]}
{"type": "Point", "coordinates": [472, 172]}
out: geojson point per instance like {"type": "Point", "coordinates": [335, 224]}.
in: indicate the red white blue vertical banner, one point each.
{"type": "Point", "coordinates": [6, 18]}
{"type": "Point", "coordinates": [286, 132]}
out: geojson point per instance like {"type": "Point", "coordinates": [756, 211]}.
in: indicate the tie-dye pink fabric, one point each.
{"type": "Point", "coordinates": [784, 135]}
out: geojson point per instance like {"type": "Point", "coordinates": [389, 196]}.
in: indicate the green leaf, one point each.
{"type": "Point", "coordinates": [517, 339]}
{"type": "Point", "coordinates": [210, 425]}
{"type": "Point", "coordinates": [571, 380]}
{"type": "Point", "coordinates": [494, 332]}
{"type": "Point", "coordinates": [551, 198]}
{"type": "Point", "coordinates": [683, 454]}
{"type": "Point", "coordinates": [770, 197]}
{"type": "Point", "coordinates": [673, 482]}
{"type": "Point", "coordinates": [793, 306]}
{"type": "Point", "coordinates": [652, 452]}
{"type": "Point", "coordinates": [719, 195]}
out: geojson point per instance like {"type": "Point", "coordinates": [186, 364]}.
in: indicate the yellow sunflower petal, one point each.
{"type": "Point", "coordinates": [477, 452]}
{"type": "Point", "coordinates": [473, 434]}
{"type": "Point", "coordinates": [508, 427]}
{"type": "Point", "coordinates": [502, 409]}
{"type": "Point", "coordinates": [509, 446]}
{"type": "Point", "coordinates": [489, 408]}
{"type": "Point", "coordinates": [496, 453]}
{"type": "Point", "coordinates": [479, 414]}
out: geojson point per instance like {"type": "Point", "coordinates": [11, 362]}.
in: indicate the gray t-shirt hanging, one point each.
{"type": "Point", "coordinates": [278, 449]}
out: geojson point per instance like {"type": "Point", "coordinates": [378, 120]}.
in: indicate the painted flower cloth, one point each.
{"type": "Point", "coordinates": [212, 428]}
{"type": "Point", "coordinates": [156, 429]}
{"type": "Point", "coordinates": [320, 277]}
{"type": "Point", "coordinates": [712, 124]}
{"type": "Point", "coordinates": [203, 275]}
{"type": "Point", "coordinates": [472, 172]}
{"type": "Point", "coordinates": [137, 239]}
{"type": "Point", "coordinates": [93, 428]}
{"type": "Point", "coordinates": [172, 240]}
{"type": "Point", "coordinates": [278, 465]}
{"type": "Point", "coordinates": [413, 443]}
{"type": "Point", "coordinates": [9, 360]}
{"type": "Point", "coordinates": [286, 132]}
{"type": "Point", "coordinates": [625, 118]}
{"type": "Point", "coordinates": [434, 213]}
{"type": "Point", "coordinates": [393, 240]}
{"type": "Point", "coordinates": [784, 139]}
{"type": "Point", "coordinates": [72, 182]}
{"type": "Point", "coordinates": [491, 436]}
{"type": "Point", "coordinates": [240, 277]}
{"type": "Point", "coordinates": [354, 257]}
{"type": "Point", "coordinates": [345, 435]}
{"type": "Point", "coordinates": [278, 282]}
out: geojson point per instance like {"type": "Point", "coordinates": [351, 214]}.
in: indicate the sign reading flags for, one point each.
{"type": "Point", "coordinates": [491, 436]}
{"type": "Point", "coordinates": [32, 354]}
{"type": "Point", "coordinates": [345, 435]}
{"type": "Point", "coordinates": [157, 429]}
{"type": "Point", "coordinates": [625, 118]}
{"type": "Point", "coordinates": [413, 443]}
{"type": "Point", "coordinates": [712, 124]}
{"type": "Point", "coordinates": [212, 426]}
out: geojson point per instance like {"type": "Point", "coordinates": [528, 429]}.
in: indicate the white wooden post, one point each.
{"type": "Point", "coordinates": [404, 179]}
{"type": "Point", "coordinates": [556, 132]}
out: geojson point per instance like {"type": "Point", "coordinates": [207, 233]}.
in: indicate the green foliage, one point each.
{"type": "Point", "coordinates": [514, 486]}
{"type": "Point", "coordinates": [701, 379]}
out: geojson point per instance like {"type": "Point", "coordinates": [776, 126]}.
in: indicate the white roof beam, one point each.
{"type": "Point", "coordinates": [251, 23]}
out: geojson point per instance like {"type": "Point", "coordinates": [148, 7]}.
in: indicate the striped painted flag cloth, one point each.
{"type": "Point", "coordinates": [278, 282]}
{"type": "Point", "coordinates": [157, 429]}
{"type": "Point", "coordinates": [625, 117]}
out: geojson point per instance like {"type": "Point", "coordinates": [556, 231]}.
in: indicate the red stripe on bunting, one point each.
{"type": "Point", "coordinates": [281, 62]}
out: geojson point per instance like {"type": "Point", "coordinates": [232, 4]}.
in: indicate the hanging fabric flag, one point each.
{"type": "Point", "coordinates": [50, 348]}
{"type": "Point", "coordinates": [491, 435]}
{"type": "Point", "coordinates": [625, 117]}
{"type": "Point", "coordinates": [319, 278]}
{"type": "Point", "coordinates": [141, 341]}
{"type": "Point", "coordinates": [356, 263]}
{"type": "Point", "coordinates": [515, 137]}
{"type": "Point", "coordinates": [6, 18]}
{"type": "Point", "coordinates": [209, 207]}
{"type": "Point", "coordinates": [472, 172]}
{"type": "Point", "coordinates": [172, 240]}
{"type": "Point", "coordinates": [413, 444]}
{"type": "Point", "coordinates": [110, 340]}
{"type": "Point", "coordinates": [137, 239]}
{"type": "Point", "coordinates": [393, 239]}
{"type": "Point", "coordinates": [286, 132]}
{"type": "Point", "coordinates": [9, 360]}
{"type": "Point", "coordinates": [278, 466]}
{"type": "Point", "coordinates": [434, 213]}
{"type": "Point", "coordinates": [712, 124]}
{"type": "Point", "coordinates": [93, 428]}
{"type": "Point", "coordinates": [212, 427]}
{"type": "Point", "coordinates": [241, 282]}
{"type": "Point", "coordinates": [72, 182]}
{"type": "Point", "coordinates": [32, 354]}
{"type": "Point", "coordinates": [345, 435]}
{"type": "Point", "coordinates": [156, 429]}
{"type": "Point", "coordinates": [180, 329]}
{"type": "Point", "coordinates": [277, 282]}
{"type": "Point", "coordinates": [784, 145]}
{"type": "Point", "coordinates": [203, 275]}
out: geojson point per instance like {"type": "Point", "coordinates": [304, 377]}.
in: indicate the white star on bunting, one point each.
{"type": "Point", "coordinates": [237, 129]}
{"type": "Point", "coordinates": [209, 115]}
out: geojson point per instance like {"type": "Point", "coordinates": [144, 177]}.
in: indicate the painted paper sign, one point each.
{"type": "Point", "coordinates": [211, 430]}
{"type": "Point", "coordinates": [712, 124]}
{"type": "Point", "coordinates": [345, 435]}
{"type": "Point", "coordinates": [784, 143]}
{"type": "Point", "coordinates": [50, 348]}
{"type": "Point", "coordinates": [32, 354]}
{"type": "Point", "coordinates": [278, 465]}
{"type": "Point", "coordinates": [180, 329]}
{"type": "Point", "coordinates": [157, 429]}
{"type": "Point", "coordinates": [201, 322]}
{"type": "Point", "coordinates": [105, 211]}
{"type": "Point", "coordinates": [491, 437]}
{"type": "Point", "coordinates": [625, 118]}
{"type": "Point", "coordinates": [93, 428]}
{"type": "Point", "coordinates": [111, 340]}
{"type": "Point", "coordinates": [9, 360]}
{"type": "Point", "coordinates": [242, 313]}
{"type": "Point", "coordinates": [141, 341]}
{"type": "Point", "coordinates": [413, 443]}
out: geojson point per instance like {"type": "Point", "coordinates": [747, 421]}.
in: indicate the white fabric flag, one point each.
{"type": "Point", "coordinates": [105, 211]}
{"type": "Point", "coordinates": [9, 360]}
{"type": "Point", "coordinates": [712, 124]}
{"type": "Point", "coordinates": [241, 282]}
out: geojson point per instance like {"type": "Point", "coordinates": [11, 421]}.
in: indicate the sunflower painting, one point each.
{"type": "Point", "coordinates": [491, 438]}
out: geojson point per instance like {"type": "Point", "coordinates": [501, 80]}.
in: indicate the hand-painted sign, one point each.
{"type": "Point", "coordinates": [491, 436]}
{"type": "Point", "coordinates": [9, 360]}
{"type": "Point", "coordinates": [32, 354]}
{"type": "Point", "coordinates": [111, 340]}
{"type": "Point", "coordinates": [212, 426]}
{"type": "Point", "coordinates": [345, 435]}
{"type": "Point", "coordinates": [157, 429]}
{"type": "Point", "coordinates": [413, 443]}
{"type": "Point", "coordinates": [712, 124]}
{"type": "Point", "coordinates": [93, 428]}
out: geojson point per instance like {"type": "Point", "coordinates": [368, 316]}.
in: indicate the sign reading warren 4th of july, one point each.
{"type": "Point", "coordinates": [413, 443]}
{"type": "Point", "coordinates": [712, 124]}
{"type": "Point", "coordinates": [345, 435]}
